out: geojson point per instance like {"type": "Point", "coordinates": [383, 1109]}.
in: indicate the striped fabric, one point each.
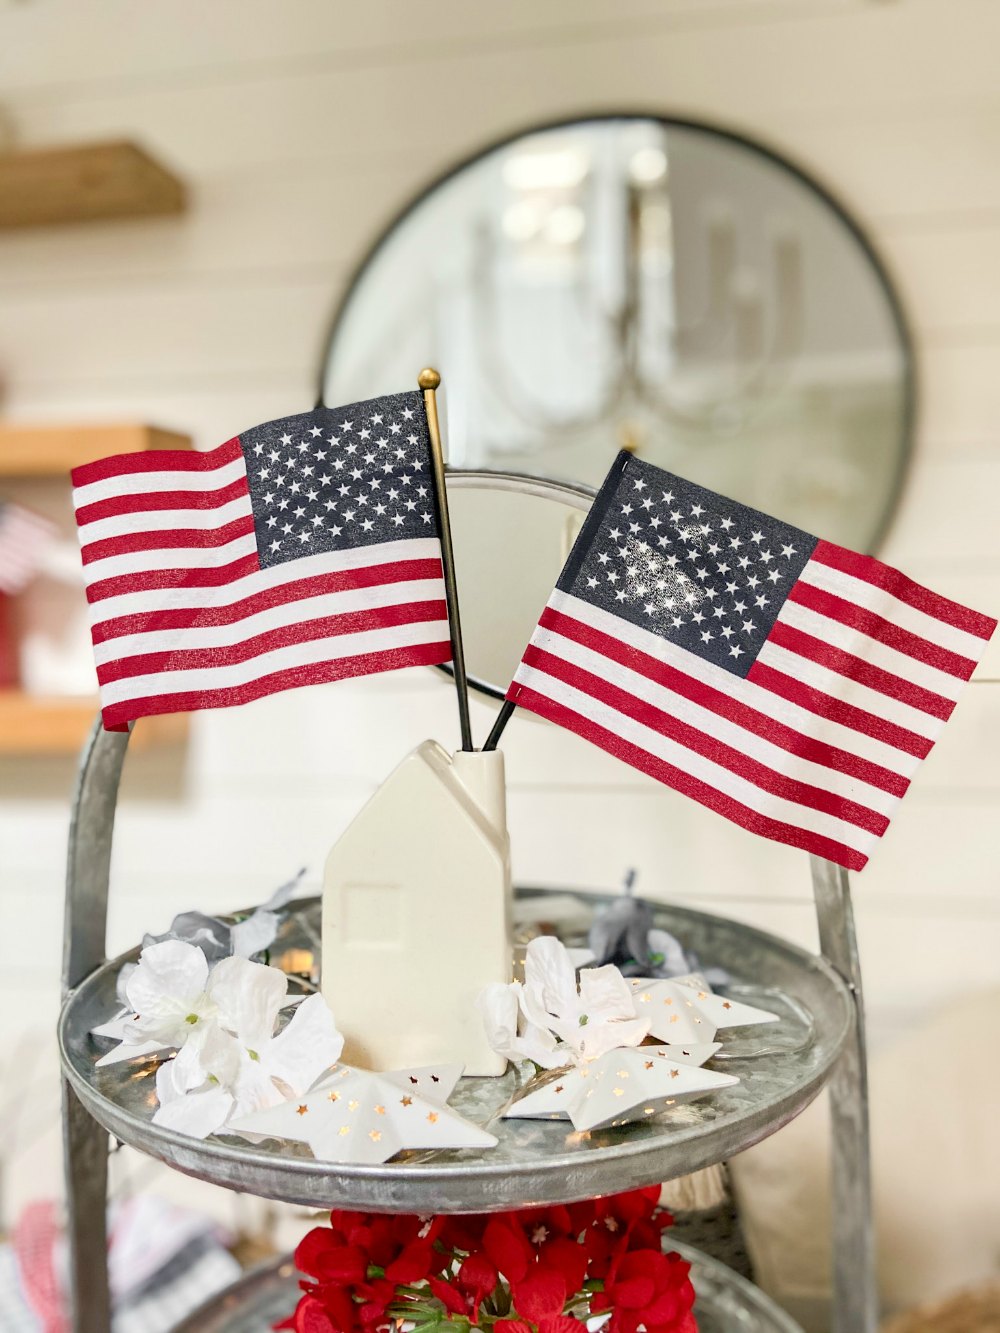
{"type": "Point", "coordinates": [306, 550]}
{"type": "Point", "coordinates": [23, 539]}
{"type": "Point", "coordinates": [784, 682]}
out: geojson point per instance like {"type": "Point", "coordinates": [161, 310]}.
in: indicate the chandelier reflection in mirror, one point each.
{"type": "Point", "coordinates": [650, 284]}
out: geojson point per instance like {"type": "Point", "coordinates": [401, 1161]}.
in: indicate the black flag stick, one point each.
{"type": "Point", "coordinates": [503, 717]}
{"type": "Point", "coordinates": [429, 379]}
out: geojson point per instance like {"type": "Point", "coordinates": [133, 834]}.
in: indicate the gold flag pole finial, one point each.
{"type": "Point", "coordinates": [429, 380]}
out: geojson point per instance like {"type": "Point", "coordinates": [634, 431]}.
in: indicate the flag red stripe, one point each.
{"type": "Point", "coordinates": [157, 460]}
{"type": "Point", "coordinates": [904, 589]}
{"type": "Point", "coordinates": [838, 710]}
{"type": "Point", "coordinates": [683, 782]}
{"type": "Point", "coordinates": [315, 673]}
{"type": "Point", "coordinates": [692, 738]}
{"type": "Point", "coordinates": [142, 501]}
{"type": "Point", "coordinates": [214, 577]}
{"type": "Point", "coordinates": [348, 580]}
{"type": "Point", "coordinates": [878, 628]}
{"type": "Point", "coordinates": [168, 539]}
{"type": "Point", "coordinates": [857, 669]}
{"type": "Point", "coordinates": [761, 724]}
{"type": "Point", "coordinates": [198, 659]}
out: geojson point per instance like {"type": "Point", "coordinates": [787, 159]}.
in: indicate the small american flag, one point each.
{"type": "Point", "coordinates": [785, 682]}
{"type": "Point", "coordinates": [23, 539]}
{"type": "Point", "coordinates": [304, 550]}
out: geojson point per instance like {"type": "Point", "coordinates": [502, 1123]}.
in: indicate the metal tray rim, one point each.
{"type": "Point", "coordinates": [223, 1162]}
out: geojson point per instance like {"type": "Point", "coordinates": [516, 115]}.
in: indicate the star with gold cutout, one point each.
{"type": "Point", "coordinates": [361, 1117]}
{"type": "Point", "coordinates": [680, 1012]}
{"type": "Point", "coordinates": [624, 1085]}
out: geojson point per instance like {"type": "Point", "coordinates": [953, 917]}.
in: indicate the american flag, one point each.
{"type": "Point", "coordinates": [23, 539]}
{"type": "Point", "coordinates": [304, 550]}
{"type": "Point", "coordinates": [785, 682]}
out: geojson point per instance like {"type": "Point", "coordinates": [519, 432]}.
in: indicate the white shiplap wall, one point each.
{"type": "Point", "coordinates": [301, 127]}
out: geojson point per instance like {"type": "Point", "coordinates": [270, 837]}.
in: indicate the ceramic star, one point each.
{"type": "Point", "coordinates": [679, 1013]}
{"type": "Point", "coordinates": [354, 1115]}
{"type": "Point", "coordinates": [632, 1083]}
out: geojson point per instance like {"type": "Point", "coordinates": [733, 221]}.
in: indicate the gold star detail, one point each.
{"type": "Point", "coordinates": [334, 1096]}
{"type": "Point", "coordinates": [726, 1004]}
{"type": "Point", "coordinates": [649, 1064]}
{"type": "Point", "coordinates": [302, 1110]}
{"type": "Point", "coordinates": [374, 1135]}
{"type": "Point", "coordinates": [619, 1092]}
{"type": "Point", "coordinates": [406, 1101]}
{"type": "Point", "coordinates": [432, 1117]}
{"type": "Point", "coordinates": [675, 1073]}
{"type": "Point", "coordinates": [675, 1018]}
{"type": "Point", "coordinates": [344, 1129]}
{"type": "Point", "coordinates": [380, 1110]}
{"type": "Point", "coordinates": [353, 1106]}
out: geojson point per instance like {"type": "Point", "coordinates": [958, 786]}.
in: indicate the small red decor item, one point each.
{"type": "Point", "coordinates": [537, 1270]}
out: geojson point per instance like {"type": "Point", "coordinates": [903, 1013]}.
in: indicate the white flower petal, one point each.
{"type": "Point", "coordinates": [196, 1113]}
{"type": "Point", "coordinates": [307, 1046]}
{"type": "Point", "coordinates": [249, 996]}
{"type": "Point", "coordinates": [605, 992]}
{"type": "Point", "coordinates": [498, 1006]}
{"type": "Point", "coordinates": [255, 933]}
{"type": "Point", "coordinates": [549, 976]}
{"type": "Point", "coordinates": [172, 970]}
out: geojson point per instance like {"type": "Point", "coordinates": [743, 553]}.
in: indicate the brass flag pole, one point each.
{"type": "Point", "coordinates": [429, 379]}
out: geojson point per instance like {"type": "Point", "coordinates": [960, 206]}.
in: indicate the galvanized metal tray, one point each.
{"type": "Point", "coordinates": [726, 1302]}
{"type": "Point", "coordinates": [781, 1067]}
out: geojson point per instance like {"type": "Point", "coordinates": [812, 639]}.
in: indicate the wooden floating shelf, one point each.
{"type": "Point", "coordinates": [40, 451]}
{"type": "Point", "coordinates": [39, 725]}
{"type": "Point", "coordinates": [46, 186]}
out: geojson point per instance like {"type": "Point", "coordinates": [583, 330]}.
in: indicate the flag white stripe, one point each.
{"type": "Point", "coordinates": [165, 520]}
{"type": "Point", "coordinates": [890, 608]}
{"type": "Point", "coordinates": [841, 636]}
{"type": "Point", "coordinates": [766, 703]}
{"type": "Point", "coordinates": [713, 775]}
{"type": "Point", "coordinates": [275, 576]}
{"type": "Point", "coordinates": [175, 557]}
{"type": "Point", "coordinates": [147, 483]}
{"type": "Point", "coordinates": [298, 612]}
{"type": "Point", "coordinates": [849, 691]}
{"type": "Point", "coordinates": [745, 742]}
{"type": "Point", "coordinates": [337, 647]}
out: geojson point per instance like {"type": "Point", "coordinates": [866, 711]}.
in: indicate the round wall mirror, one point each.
{"type": "Point", "coordinates": [652, 284]}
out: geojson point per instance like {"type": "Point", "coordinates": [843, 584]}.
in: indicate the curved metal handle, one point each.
{"type": "Point", "coordinates": [88, 862]}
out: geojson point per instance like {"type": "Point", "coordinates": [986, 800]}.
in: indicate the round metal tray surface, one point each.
{"type": "Point", "coordinates": [535, 1161]}
{"type": "Point", "coordinates": [726, 1302]}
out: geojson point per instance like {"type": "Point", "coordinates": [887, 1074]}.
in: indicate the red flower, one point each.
{"type": "Point", "coordinates": [540, 1295]}
{"type": "Point", "coordinates": [506, 1245]}
{"type": "Point", "coordinates": [309, 1317]}
{"type": "Point", "coordinates": [477, 1277]}
{"type": "Point", "coordinates": [452, 1299]}
{"type": "Point", "coordinates": [646, 1288]}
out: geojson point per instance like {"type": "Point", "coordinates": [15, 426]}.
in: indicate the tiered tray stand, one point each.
{"type": "Point", "coordinates": [819, 1040]}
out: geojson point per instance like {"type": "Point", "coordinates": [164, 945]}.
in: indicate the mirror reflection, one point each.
{"type": "Point", "coordinates": [651, 284]}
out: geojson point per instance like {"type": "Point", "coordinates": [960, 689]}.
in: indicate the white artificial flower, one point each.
{"type": "Point", "coordinates": [510, 1034]}
{"type": "Point", "coordinates": [222, 1077]}
{"type": "Point", "coordinates": [553, 1020]}
{"type": "Point", "coordinates": [168, 994]}
{"type": "Point", "coordinates": [596, 1017]}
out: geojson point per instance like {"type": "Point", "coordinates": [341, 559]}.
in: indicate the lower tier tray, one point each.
{"type": "Point", "coordinates": [726, 1302]}
{"type": "Point", "coordinates": [781, 1067]}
